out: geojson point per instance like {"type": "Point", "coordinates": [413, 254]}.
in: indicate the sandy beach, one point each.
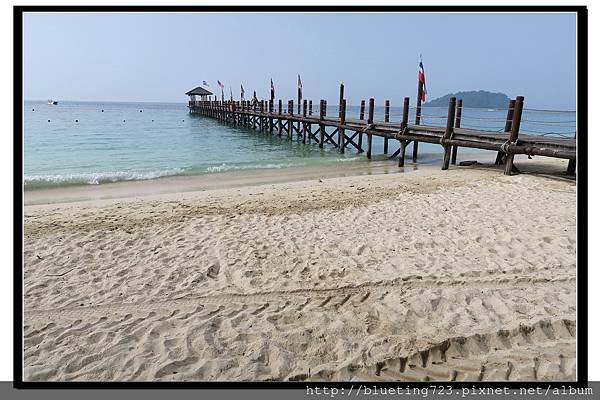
{"type": "Point", "coordinates": [463, 274]}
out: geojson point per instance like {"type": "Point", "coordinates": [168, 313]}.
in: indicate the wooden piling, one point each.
{"type": "Point", "coordinates": [341, 99]}
{"type": "Point", "coordinates": [279, 122]}
{"type": "Point", "coordinates": [322, 113]}
{"type": "Point", "coordinates": [261, 118]}
{"type": "Point", "coordinates": [289, 121]}
{"type": "Point", "coordinates": [572, 166]}
{"type": "Point", "coordinates": [514, 133]}
{"type": "Point", "coordinates": [417, 119]}
{"type": "Point", "coordinates": [369, 122]}
{"type": "Point", "coordinates": [270, 116]}
{"type": "Point", "coordinates": [304, 110]}
{"type": "Point", "coordinates": [386, 118]}
{"type": "Point", "coordinates": [361, 116]}
{"type": "Point", "coordinates": [342, 131]}
{"type": "Point", "coordinates": [405, 109]}
{"type": "Point", "coordinates": [456, 125]}
{"type": "Point", "coordinates": [507, 128]}
{"type": "Point", "coordinates": [449, 131]}
{"type": "Point", "coordinates": [309, 125]}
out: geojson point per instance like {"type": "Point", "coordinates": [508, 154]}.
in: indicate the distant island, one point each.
{"type": "Point", "coordinates": [474, 98]}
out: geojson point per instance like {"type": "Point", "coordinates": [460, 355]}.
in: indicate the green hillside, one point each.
{"type": "Point", "coordinates": [474, 98]}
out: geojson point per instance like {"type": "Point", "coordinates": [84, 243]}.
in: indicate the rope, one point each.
{"type": "Point", "coordinates": [534, 110]}
{"type": "Point", "coordinates": [549, 133]}
{"type": "Point", "coordinates": [401, 132]}
{"type": "Point", "coordinates": [368, 127]}
{"type": "Point", "coordinates": [561, 135]}
{"type": "Point", "coordinates": [483, 118]}
{"type": "Point", "coordinates": [563, 123]}
{"type": "Point", "coordinates": [463, 107]}
{"type": "Point", "coordinates": [504, 147]}
{"type": "Point", "coordinates": [468, 125]}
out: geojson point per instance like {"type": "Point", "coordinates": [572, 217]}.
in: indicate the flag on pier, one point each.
{"type": "Point", "coordinates": [422, 80]}
{"type": "Point", "coordinates": [222, 87]}
{"type": "Point", "coordinates": [272, 90]}
{"type": "Point", "coordinates": [242, 92]}
{"type": "Point", "coordinates": [230, 94]}
{"type": "Point", "coordinates": [204, 83]}
{"type": "Point", "coordinates": [299, 88]}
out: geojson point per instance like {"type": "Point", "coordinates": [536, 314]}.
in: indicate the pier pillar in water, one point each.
{"type": "Point", "coordinates": [369, 122]}
{"type": "Point", "coordinates": [362, 118]}
{"type": "Point", "coordinates": [386, 118]}
{"type": "Point", "coordinates": [322, 113]}
{"type": "Point", "coordinates": [342, 130]}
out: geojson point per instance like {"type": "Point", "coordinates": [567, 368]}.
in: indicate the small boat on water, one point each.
{"type": "Point", "coordinates": [52, 102]}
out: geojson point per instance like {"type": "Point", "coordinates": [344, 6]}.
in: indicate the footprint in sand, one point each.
{"type": "Point", "coordinates": [213, 271]}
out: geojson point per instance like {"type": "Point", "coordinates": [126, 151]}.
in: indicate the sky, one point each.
{"type": "Point", "coordinates": [157, 57]}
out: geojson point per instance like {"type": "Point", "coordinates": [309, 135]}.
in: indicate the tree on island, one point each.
{"type": "Point", "coordinates": [473, 98]}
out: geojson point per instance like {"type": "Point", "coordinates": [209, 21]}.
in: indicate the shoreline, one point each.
{"type": "Point", "coordinates": [251, 177]}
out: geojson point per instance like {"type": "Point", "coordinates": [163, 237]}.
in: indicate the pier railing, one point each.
{"type": "Point", "coordinates": [312, 124]}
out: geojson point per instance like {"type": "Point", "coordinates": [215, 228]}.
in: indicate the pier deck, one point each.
{"type": "Point", "coordinates": [343, 133]}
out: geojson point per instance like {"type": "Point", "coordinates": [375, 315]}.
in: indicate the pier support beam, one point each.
{"type": "Point", "coordinates": [342, 131]}
{"type": "Point", "coordinates": [572, 168]}
{"type": "Point", "coordinates": [449, 131]}
{"type": "Point", "coordinates": [386, 118]}
{"type": "Point", "coordinates": [322, 113]}
{"type": "Point", "coordinates": [507, 128]}
{"type": "Point", "coordinates": [289, 121]}
{"type": "Point", "coordinates": [270, 116]}
{"type": "Point", "coordinates": [456, 125]}
{"type": "Point", "coordinates": [304, 110]}
{"type": "Point", "coordinates": [279, 123]}
{"type": "Point", "coordinates": [405, 108]}
{"type": "Point", "coordinates": [361, 117]}
{"type": "Point", "coordinates": [514, 134]}
{"type": "Point", "coordinates": [369, 122]}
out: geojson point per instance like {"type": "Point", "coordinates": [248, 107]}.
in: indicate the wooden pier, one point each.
{"type": "Point", "coordinates": [343, 132]}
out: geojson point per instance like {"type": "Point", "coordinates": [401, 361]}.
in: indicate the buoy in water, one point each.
{"type": "Point", "coordinates": [102, 110]}
{"type": "Point", "coordinates": [48, 120]}
{"type": "Point", "coordinates": [76, 120]}
{"type": "Point", "coordinates": [33, 109]}
{"type": "Point", "coordinates": [140, 110]}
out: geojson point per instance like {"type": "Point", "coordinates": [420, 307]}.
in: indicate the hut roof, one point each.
{"type": "Point", "coordinates": [198, 91]}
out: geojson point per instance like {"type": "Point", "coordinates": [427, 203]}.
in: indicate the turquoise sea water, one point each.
{"type": "Point", "coordinates": [95, 143]}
